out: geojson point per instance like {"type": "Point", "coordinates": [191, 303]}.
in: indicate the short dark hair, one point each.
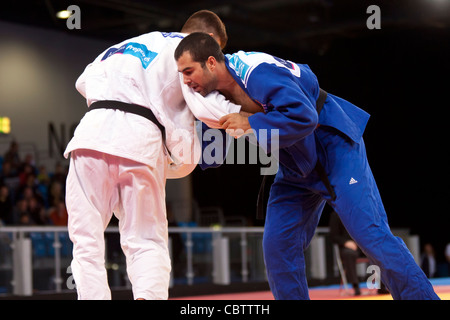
{"type": "Point", "coordinates": [208, 22]}
{"type": "Point", "coordinates": [201, 46]}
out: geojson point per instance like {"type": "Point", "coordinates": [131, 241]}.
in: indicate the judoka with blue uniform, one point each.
{"type": "Point", "coordinates": [322, 159]}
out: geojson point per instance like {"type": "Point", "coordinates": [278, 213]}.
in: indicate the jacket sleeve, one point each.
{"type": "Point", "coordinates": [208, 109]}
{"type": "Point", "coordinates": [80, 84]}
{"type": "Point", "coordinates": [288, 108]}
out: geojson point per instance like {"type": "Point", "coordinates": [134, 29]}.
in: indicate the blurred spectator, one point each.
{"type": "Point", "coordinates": [26, 193]}
{"type": "Point", "coordinates": [60, 174]}
{"type": "Point", "coordinates": [34, 205]}
{"type": "Point", "coordinates": [37, 211]}
{"type": "Point", "coordinates": [56, 193]}
{"type": "Point", "coordinates": [30, 190]}
{"type": "Point", "coordinates": [21, 214]}
{"type": "Point", "coordinates": [29, 162]}
{"type": "Point", "coordinates": [58, 214]}
{"type": "Point", "coordinates": [12, 156]}
{"type": "Point", "coordinates": [35, 197]}
{"type": "Point", "coordinates": [6, 172]}
{"type": "Point", "coordinates": [25, 174]}
{"type": "Point", "coordinates": [9, 178]}
{"type": "Point", "coordinates": [42, 176]}
{"type": "Point", "coordinates": [6, 206]}
{"type": "Point", "coordinates": [43, 186]}
{"type": "Point", "coordinates": [428, 263]}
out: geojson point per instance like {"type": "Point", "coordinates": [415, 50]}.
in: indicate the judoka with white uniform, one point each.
{"type": "Point", "coordinates": [120, 160]}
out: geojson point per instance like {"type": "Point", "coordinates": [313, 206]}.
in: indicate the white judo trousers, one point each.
{"type": "Point", "coordinates": [99, 184]}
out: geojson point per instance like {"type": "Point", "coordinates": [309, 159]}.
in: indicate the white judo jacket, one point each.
{"type": "Point", "coordinates": [143, 71]}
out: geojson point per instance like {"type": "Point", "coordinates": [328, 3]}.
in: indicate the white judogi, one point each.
{"type": "Point", "coordinates": [119, 163]}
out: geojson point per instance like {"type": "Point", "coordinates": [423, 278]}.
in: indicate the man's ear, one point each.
{"type": "Point", "coordinates": [211, 63]}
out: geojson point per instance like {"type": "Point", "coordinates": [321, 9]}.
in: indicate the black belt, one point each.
{"type": "Point", "coordinates": [130, 108]}
{"type": "Point", "coordinates": [318, 168]}
{"type": "Point", "coordinates": [321, 100]}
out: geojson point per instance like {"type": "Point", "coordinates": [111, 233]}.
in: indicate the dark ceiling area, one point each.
{"type": "Point", "coordinates": [307, 25]}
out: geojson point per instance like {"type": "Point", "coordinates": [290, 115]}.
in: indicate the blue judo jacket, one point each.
{"type": "Point", "coordinates": [288, 93]}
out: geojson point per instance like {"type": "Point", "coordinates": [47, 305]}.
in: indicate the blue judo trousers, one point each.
{"type": "Point", "coordinates": [295, 206]}
{"type": "Point", "coordinates": [288, 93]}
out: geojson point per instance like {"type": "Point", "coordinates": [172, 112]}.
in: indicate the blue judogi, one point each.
{"type": "Point", "coordinates": [288, 93]}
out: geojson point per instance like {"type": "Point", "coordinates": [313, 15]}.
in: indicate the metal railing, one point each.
{"type": "Point", "coordinates": [13, 237]}
{"type": "Point", "coordinates": [217, 233]}
{"type": "Point", "coordinates": [21, 254]}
